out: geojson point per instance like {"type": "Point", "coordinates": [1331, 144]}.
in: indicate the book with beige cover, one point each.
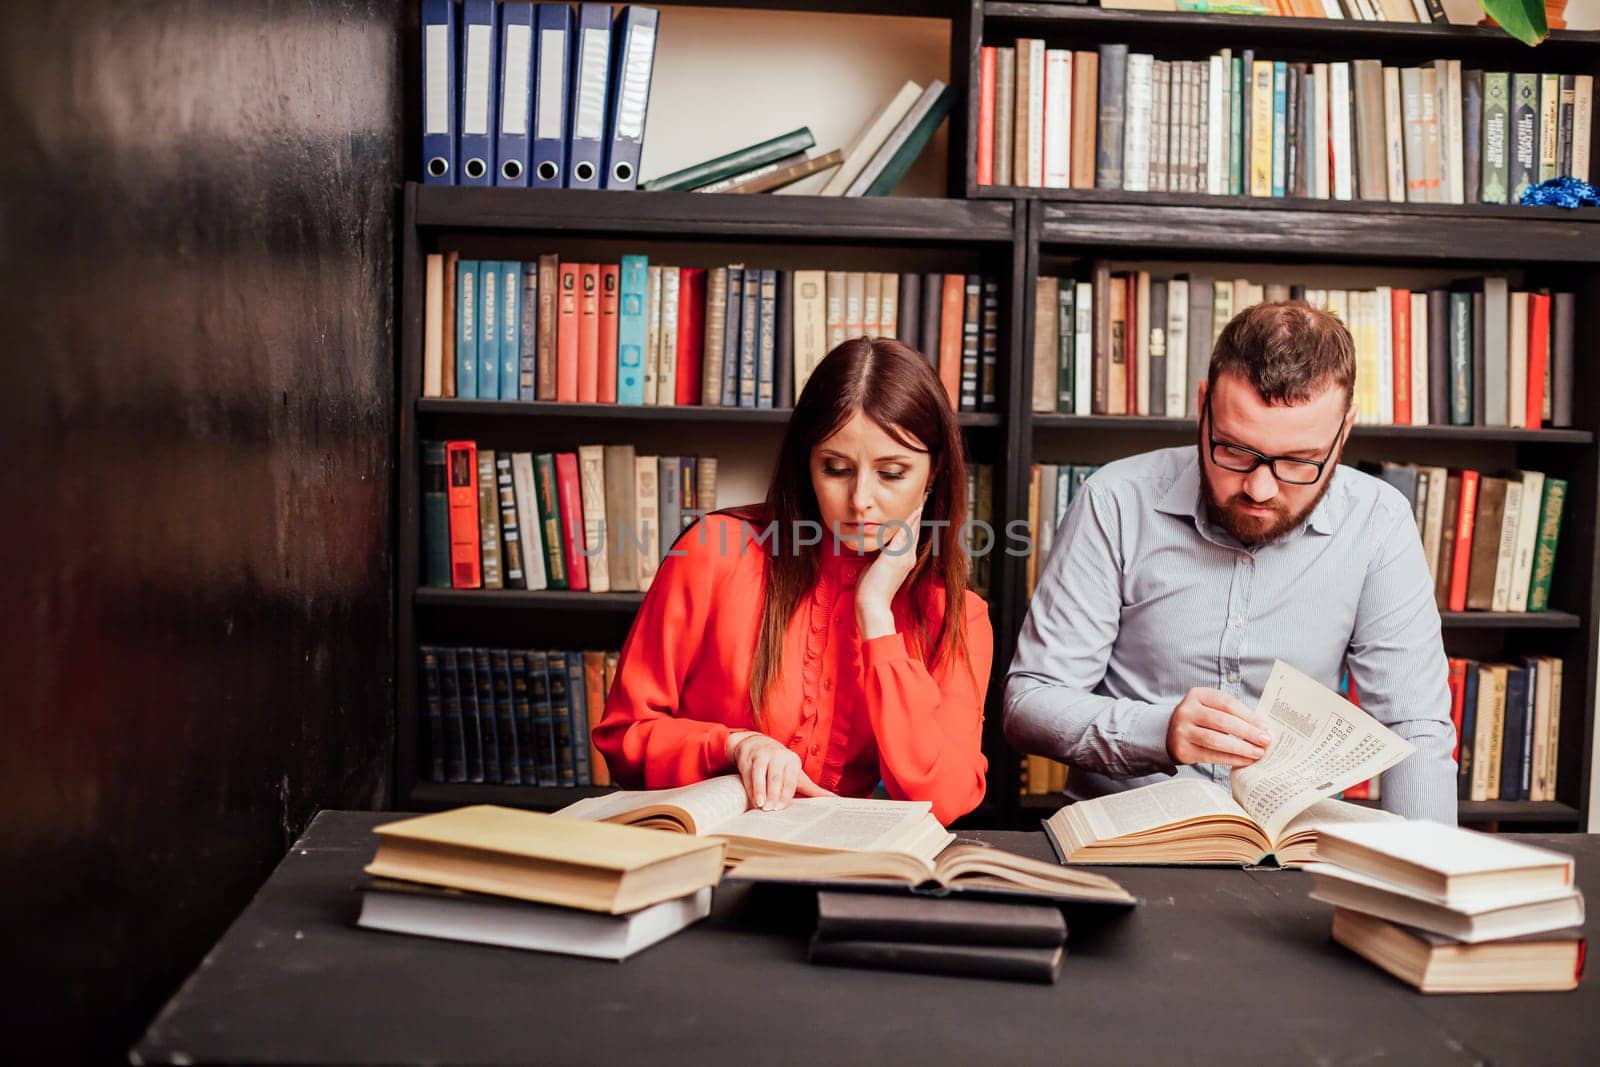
{"type": "Point", "coordinates": [532, 856]}
{"type": "Point", "coordinates": [1544, 962]}
{"type": "Point", "coordinates": [719, 808]}
{"type": "Point", "coordinates": [1448, 864]}
{"type": "Point", "coordinates": [1321, 744]}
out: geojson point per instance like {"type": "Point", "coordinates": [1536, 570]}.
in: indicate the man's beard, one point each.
{"type": "Point", "coordinates": [1257, 529]}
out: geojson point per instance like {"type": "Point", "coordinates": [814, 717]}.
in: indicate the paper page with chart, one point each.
{"type": "Point", "coordinates": [1321, 743]}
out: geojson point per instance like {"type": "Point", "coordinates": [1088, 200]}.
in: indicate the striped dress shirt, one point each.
{"type": "Point", "coordinates": [1142, 598]}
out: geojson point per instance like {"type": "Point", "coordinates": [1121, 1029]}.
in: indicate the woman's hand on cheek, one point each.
{"type": "Point", "coordinates": [883, 579]}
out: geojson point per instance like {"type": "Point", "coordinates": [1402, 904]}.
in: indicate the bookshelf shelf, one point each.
{"type": "Point", "coordinates": [697, 216]}
{"type": "Point", "coordinates": [1165, 424]}
{"type": "Point", "coordinates": [525, 600]}
{"type": "Point", "coordinates": [1470, 811]}
{"type": "Point", "coordinates": [514, 409]}
{"type": "Point", "coordinates": [437, 796]}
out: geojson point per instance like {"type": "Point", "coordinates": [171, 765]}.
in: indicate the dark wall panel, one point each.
{"type": "Point", "coordinates": [197, 206]}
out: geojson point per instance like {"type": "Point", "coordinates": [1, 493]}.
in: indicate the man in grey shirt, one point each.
{"type": "Point", "coordinates": [1179, 576]}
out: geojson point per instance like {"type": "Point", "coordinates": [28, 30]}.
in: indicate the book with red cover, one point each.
{"type": "Point", "coordinates": [569, 494]}
{"type": "Point", "coordinates": [1458, 696]}
{"type": "Point", "coordinates": [986, 61]}
{"type": "Point", "coordinates": [567, 335]}
{"type": "Point", "coordinates": [691, 333]}
{"type": "Point", "coordinates": [952, 310]}
{"type": "Point", "coordinates": [588, 333]}
{"type": "Point", "coordinates": [1400, 330]}
{"type": "Point", "coordinates": [1465, 516]}
{"type": "Point", "coordinates": [610, 280]}
{"type": "Point", "coordinates": [1538, 356]}
{"type": "Point", "coordinates": [461, 468]}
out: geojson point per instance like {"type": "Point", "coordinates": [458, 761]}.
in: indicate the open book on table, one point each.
{"type": "Point", "coordinates": [1321, 743]}
{"type": "Point", "coordinates": [719, 808]}
{"type": "Point", "coordinates": [963, 869]}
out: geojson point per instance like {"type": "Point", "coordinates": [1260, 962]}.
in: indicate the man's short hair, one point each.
{"type": "Point", "coordinates": [1289, 351]}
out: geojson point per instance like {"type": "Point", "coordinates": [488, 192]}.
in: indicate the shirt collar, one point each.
{"type": "Point", "coordinates": [1183, 499]}
{"type": "Point", "coordinates": [842, 564]}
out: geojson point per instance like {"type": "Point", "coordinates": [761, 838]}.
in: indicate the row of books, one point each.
{"type": "Point", "coordinates": [1423, 11]}
{"type": "Point", "coordinates": [641, 333]}
{"type": "Point", "coordinates": [1474, 354]}
{"type": "Point", "coordinates": [513, 716]}
{"type": "Point", "coordinates": [1447, 910]}
{"type": "Point", "coordinates": [525, 94]}
{"type": "Point", "coordinates": [1051, 488]}
{"type": "Point", "coordinates": [599, 519]}
{"type": "Point", "coordinates": [1236, 124]}
{"type": "Point", "coordinates": [1508, 727]}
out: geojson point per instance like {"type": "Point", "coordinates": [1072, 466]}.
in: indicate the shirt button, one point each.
{"type": "Point", "coordinates": [1237, 622]}
{"type": "Point", "coordinates": [815, 749]}
{"type": "Point", "coordinates": [1233, 676]}
{"type": "Point", "coordinates": [827, 684]}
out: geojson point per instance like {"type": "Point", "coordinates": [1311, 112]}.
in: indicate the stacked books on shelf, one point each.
{"type": "Point", "coordinates": [1448, 910]}
{"type": "Point", "coordinates": [599, 520]}
{"type": "Point", "coordinates": [524, 94]}
{"type": "Point", "coordinates": [513, 716]}
{"type": "Point", "coordinates": [521, 879]}
{"type": "Point", "coordinates": [871, 165]}
{"type": "Point", "coordinates": [1474, 354]}
{"type": "Point", "coordinates": [1241, 124]}
{"type": "Point", "coordinates": [1508, 727]}
{"type": "Point", "coordinates": [1051, 487]}
{"type": "Point", "coordinates": [640, 333]}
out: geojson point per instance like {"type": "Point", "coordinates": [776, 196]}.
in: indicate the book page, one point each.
{"type": "Point", "coordinates": [832, 823]}
{"type": "Point", "coordinates": [707, 804]}
{"type": "Point", "coordinates": [1321, 743]}
{"type": "Point", "coordinates": [1152, 806]}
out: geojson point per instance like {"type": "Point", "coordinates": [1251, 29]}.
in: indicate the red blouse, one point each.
{"type": "Point", "coordinates": [854, 711]}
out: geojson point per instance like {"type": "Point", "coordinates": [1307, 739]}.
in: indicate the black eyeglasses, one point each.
{"type": "Point", "coordinates": [1287, 469]}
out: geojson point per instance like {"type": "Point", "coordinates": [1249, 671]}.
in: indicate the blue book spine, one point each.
{"type": "Point", "coordinates": [479, 20]}
{"type": "Point", "coordinates": [549, 153]}
{"type": "Point", "coordinates": [586, 125]}
{"type": "Point", "coordinates": [440, 37]}
{"type": "Point", "coordinates": [489, 329]}
{"type": "Point", "coordinates": [467, 329]}
{"type": "Point", "coordinates": [634, 56]}
{"type": "Point", "coordinates": [1469, 731]}
{"type": "Point", "coordinates": [516, 87]}
{"type": "Point", "coordinates": [578, 701]}
{"type": "Point", "coordinates": [510, 327]}
{"type": "Point", "coordinates": [1280, 127]}
{"type": "Point", "coordinates": [749, 342]}
{"type": "Point", "coordinates": [730, 337]}
{"type": "Point", "coordinates": [631, 329]}
{"type": "Point", "coordinates": [528, 332]}
{"type": "Point", "coordinates": [766, 339]}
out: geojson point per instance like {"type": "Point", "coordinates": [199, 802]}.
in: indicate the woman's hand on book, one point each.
{"type": "Point", "coordinates": [771, 773]}
{"type": "Point", "coordinates": [1209, 726]}
{"type": "Point", "coordinates": [881, 581]}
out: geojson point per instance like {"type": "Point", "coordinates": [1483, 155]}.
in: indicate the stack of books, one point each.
{"type": "Point", "coordinates": [1452, 911]}
{"type": "Point", "coordinates": [527, 880]}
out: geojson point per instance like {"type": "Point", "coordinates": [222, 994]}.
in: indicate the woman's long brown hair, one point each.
{"type": "Point", "coordinates": [895, 387]}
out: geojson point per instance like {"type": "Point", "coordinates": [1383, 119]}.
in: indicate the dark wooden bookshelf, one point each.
{"type": "Point", "coordinates": [438, 796]}
{"type": "Point", "coordinates": [1019, 233]}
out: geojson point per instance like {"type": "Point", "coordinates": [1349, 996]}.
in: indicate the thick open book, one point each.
{"type": "Point", "coordinates": [1321, 743]}
{"type": "Point", "coordinates": [719, 808]}
{"type": "Point", "coordinates": [967, 869]}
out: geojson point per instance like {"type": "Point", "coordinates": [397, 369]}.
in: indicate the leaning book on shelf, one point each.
{"type": "Point", "coordinates": [719, 808]}
{"type": "Point", "coordinates": [1320, 745]}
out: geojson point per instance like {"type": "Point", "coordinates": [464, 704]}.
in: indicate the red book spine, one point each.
{"type": "Point", "coordinates": [986, 115]}
{"type": "Point", "coordinates": [1538, 357]}
{"type": "Point", "coordinates": [691, 332]}
{"type": "Point", "coordinates": [952, 313]}
{"type": "Point", "coordinates": [588, 333]}
{"type": "Point", "coordinates": [461, 466]}
{"type": "Point", "coordinates": [1458, 699]}
{"type": "Point", "coordinates": [609, 281]}
{"type": "Point", "coordinates": [1400, 329]}
{"type": "Point", "coordinates": [567, 336]}
{"type": "Point", "coordinates": [569, 493]}
{"type": "Point", "coordinates": [1464, 523]}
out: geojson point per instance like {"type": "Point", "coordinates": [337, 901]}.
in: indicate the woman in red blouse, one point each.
{"type": "Point", "coordinates": [802, 643]}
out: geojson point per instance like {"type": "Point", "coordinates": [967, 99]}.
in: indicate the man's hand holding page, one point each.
{"type": "Point", "coordinates": [1209, 726]}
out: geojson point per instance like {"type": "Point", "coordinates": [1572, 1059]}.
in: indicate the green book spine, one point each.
{"type": "Point", "coordinates": [1236, 127]}
{"type": "Point", "coordinates": [435, 517]}
{"type": "Point", "coordinates": [1524, 133]}
{"type": "Point", "coordinates": [1461, 359]}
{"type": "Point", "coordinates": [544, 479]}
{"type": "Point", "coordinates": [915, 142]}
{"type": "Point", "coordinates": [737, 162]}
{"type": "Point", "coordinates": [1065, 376]}
{"type": "Point", "coordinates": [1544, 555]}
{"type": "Point", "coordinates": [1496, 88]}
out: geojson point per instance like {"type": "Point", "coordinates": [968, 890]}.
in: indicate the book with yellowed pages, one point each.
{"type": "Point", "coordinates": [532, 856]}
{"type": "Point", "coordinates": [1447, 864]}
{"type": "Point", "coordinates": [719, 808]}
{"type": "Point", "coordinates": [1544, 962]}
{"type": "Point", "coordinates": [966, 869]}
{"type": "Point", "coordinates": [1321, 743]}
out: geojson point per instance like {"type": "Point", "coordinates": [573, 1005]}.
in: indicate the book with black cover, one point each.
{"type": "Point", "coordinates": [849, 916]}
{"type": "Point", "coordinates": [978, 961]}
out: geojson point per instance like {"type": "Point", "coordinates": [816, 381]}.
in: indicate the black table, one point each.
{"type": "Point", "coordinates": [1217, 966]}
